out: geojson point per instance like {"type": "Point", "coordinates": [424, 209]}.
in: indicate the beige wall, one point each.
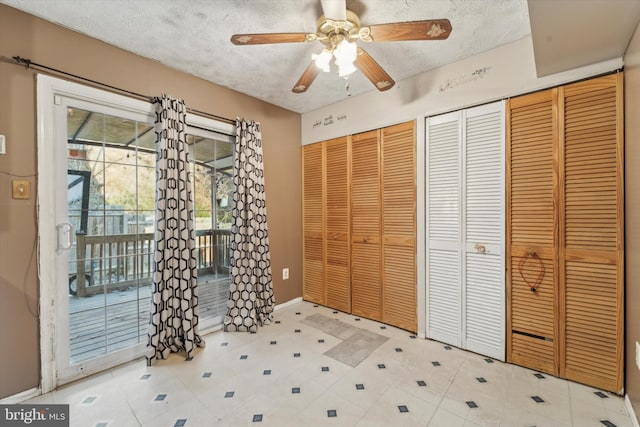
{"type": "Point", "coordinates": [24, 35]}
{"type": "Point", "coordinates": [505, 71]}
{"type": "Point", "coordinates": [632, 224]}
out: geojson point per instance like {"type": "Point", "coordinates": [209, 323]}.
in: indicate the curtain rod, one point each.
{"type": "Point", "coordinates": [29, 64]}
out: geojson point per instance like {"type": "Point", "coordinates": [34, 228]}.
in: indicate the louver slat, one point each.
{"type": "Point", "coordinates": [400, 307]}
{"type": "Point", "coordinates": [444, 296]}
{"type": "Point", "coordinates": [338, 270]}
{"type": "Point", "coordinates": [444, 182]}
{"type": "Point", "coordinates": [484, 181]}
{"type": "Point", "coordinates": [399, 226]}
{"type": "Point", "coordinates": [366, 281]}
{"type": "Point", "coordinates": [600, 231]}
{"type": "Point", "coordinates": [313, 215]}
{"type": "Point", "coordinates": [591, 329]}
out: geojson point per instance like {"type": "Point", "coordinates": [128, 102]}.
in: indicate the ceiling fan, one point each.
{"type": "Point", "coordinates": [338, 30]}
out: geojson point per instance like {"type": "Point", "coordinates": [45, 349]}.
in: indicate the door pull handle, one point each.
{"type": "Point", "coordinates": [482, 249]}
{"type": "Point", "coordinates": [65, 238]}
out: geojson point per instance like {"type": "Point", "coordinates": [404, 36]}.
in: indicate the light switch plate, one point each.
{"type": "Point", "coordinates": [21, 189]}
{"type": "Point", "coordinates": [3, 144]}
{"type": "Point", "coordinates": [638, 354]}
{"type": "Point", "coordinates": [285, 273]}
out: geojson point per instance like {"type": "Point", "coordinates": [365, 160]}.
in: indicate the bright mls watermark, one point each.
{"type": "Point", "coordinates": [34, 415]}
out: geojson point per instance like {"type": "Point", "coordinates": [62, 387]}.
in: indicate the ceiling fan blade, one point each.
{"type": "Point", "coordinates": [244, 39]}
{"type": "Point", "coordinates": [306, 78]}
{"type": "Point", "coordinates": [334, 9]}
{"type": "Point", "coordinates": [432, 29]}
{"type": "Point", "coordinates": [373, 71]}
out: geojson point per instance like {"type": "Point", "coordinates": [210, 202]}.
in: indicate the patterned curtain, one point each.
{"type": "Point", "coordinates": [173, 325]}
{"type": "Point", "coordinates": [251, 299]}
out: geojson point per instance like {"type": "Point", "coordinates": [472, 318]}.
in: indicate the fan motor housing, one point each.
{"type": "Point", "coordinates": [329, 30]}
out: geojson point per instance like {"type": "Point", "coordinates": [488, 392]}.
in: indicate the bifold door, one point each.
{"type": "Point", "coordinates": [359, 210]}
{"type": "Point", "coordinates": [566, 231]}
{"type": "Point", "coordinates": [465, 229]}
{"type": "Point", "coordinates": [326, 253]}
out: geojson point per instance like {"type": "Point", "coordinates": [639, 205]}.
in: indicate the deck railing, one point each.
{"type": "Point", "coordinates": [114, 262]}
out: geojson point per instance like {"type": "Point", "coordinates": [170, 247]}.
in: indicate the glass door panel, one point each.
{"type": "Point", "coordinates": [213, 195]}
{"type": "Point", "coordinates": [110, 196]}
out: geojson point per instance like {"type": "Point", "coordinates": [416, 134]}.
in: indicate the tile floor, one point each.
{"type": "Point", "coordinates": [281, 377]}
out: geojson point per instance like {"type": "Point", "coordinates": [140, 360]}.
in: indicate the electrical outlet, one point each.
{"type": "Point", "coordinates": [285, 273]}
{"type": "Point", "coordinates": [638, 354]}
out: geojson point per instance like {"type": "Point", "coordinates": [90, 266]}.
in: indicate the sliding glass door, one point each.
{"type": "Point", "coordinates": [101, 179]}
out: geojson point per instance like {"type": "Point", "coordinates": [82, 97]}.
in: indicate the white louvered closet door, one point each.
{"type": "Point", "coordinates": [465, 229]}
{"type": "Point", "coordinates": [483, 206]}
{"type": "Point", "coordinates": [444, 311]}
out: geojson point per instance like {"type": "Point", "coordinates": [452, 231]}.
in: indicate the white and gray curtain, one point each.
{"type": "Point", "coordinates": [251, 299]}
{"type": "Point", "coordinates": [173, 325]}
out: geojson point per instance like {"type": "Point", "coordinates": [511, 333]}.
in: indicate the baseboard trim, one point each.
{"type": "Point", "coordinates": [632, 413]}
{"type": "Point", "coordinates": [21, 397]}
{"type": "Point", "coordinates": [288, 303]}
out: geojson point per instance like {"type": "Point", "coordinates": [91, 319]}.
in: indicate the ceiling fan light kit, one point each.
{"type": "Point", "coordinates": [322, 60]}
{"type": "Point", "coordinates": [345, 54]}
{"type": "Point", "coordinates": [339, 37]}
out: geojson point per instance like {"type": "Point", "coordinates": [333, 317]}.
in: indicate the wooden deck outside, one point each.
{"type": "Point", "coordinates": [110, 288]}
{"type": "Point", "coordinates": [102, 323]}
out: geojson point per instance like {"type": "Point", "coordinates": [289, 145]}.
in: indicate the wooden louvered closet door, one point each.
{"type": "Point", "coordinates": [566, 191]}
{"type": "Point", "coordinates": [531, 219]}
{"type": "Point", "coordinates": [338, 256]}
{"type": "Point", "coordinates": [313, 287]}
{"type": "Point", "coordinates": [359, 209]}
{"type": "Point", "coordinates": [366, 272]}
{"type": "Point", "coordinates": [399, 226]}
{"type": "Point", "coordinates": [591, 232]}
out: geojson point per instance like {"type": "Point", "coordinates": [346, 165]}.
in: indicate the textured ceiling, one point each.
{"type": "Point", "coordinates": [193, 36]}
